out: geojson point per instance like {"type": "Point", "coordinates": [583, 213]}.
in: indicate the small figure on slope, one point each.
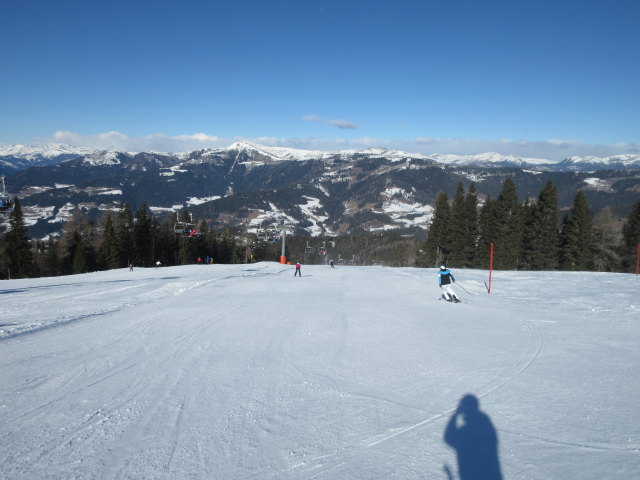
{"type": "Point", "coordinates": [298, 272]}
{"type": "Point", "coordinates": [445, 279]}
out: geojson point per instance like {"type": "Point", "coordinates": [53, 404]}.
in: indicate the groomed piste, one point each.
{"type": "Point", "coordinates": [247, 372]}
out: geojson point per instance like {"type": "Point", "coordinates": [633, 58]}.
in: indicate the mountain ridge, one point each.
{"type": "Point", "coordinates": [243, 186]}
{"type": "Point", "coordinates": [17, 157]}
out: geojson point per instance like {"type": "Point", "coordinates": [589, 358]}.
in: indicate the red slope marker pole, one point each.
{"type": "Point", "coordinates": [490, 268]}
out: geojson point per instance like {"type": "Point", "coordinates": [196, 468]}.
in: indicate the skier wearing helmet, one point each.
{"type": "Point", "coordinates": [445, 280]}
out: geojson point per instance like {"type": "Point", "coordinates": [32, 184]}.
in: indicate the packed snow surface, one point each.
{"type": "Point", "coordinates": [247, 372]}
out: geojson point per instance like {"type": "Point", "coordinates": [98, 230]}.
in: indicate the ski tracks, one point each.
{"type": "Point", "coordinates": [324, 465]}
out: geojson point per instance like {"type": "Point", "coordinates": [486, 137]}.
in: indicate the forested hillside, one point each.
{"type": "Point", "coordinates": [529, 235]}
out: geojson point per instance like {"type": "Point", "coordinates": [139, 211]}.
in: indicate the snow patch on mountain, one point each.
{"type": "Point", "coordinates": [37, 212]}
{"type": "Point", "coordinates": [37, 152]}
{"type": "Point", "coordinates": [600, 163]}
{"type": "Point", "coordinates": [598, 184]}
{"type": "Point", "coordinates": [102, 158]}
{"type": "Point", "coordinates": [313, 210]}
{"type": "Point", "coordinates": [490, 159]}
{"type": "Point", "coordinates": [398, 204]}
{"type": "Point", "coordinates": [200, 201]}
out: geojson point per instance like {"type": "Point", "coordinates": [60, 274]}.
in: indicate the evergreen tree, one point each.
{"type": "Point", "coordinates": [577, 237]}
{"type": "Point", "coordinates": [126, 244]}
{"type": "Point", "coordinates": [456, 238]}
{"type": "Point", "coordinates": [109, 252]}
{"type": "Point", "coordinates": [52, 261]}
{"type": "Point", "coordinates": [501, 224]}
{"type": "Point", "coordinates": [470, 251]}
{"type": "Point", "coordinates": [143, 237]}
{"type": "Point", "coordinates": [631, 239]}
{"type": "Point", "coordinates": [509, 241]}
{"type": "Point", "coordinates": [80, 258]}
{"type": "Point", "coordinates": [227, 248]}
{"type": "Point", "coordinates": [541, 237]}
{"type": "Point", "coordinates": [434, 248]}
{"type": "Point", "coordinates": [17, 248]}
{"type": "Point", "coordinates": [490, 226]}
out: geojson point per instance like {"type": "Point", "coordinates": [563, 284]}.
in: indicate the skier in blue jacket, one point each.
{"type": "Point", "coordinates": [445, 280]}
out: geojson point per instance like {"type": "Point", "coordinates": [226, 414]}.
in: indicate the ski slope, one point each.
{"type": "Point", "coordinates": [245, 372]}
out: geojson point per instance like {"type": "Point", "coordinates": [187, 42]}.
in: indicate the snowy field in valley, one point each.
{"type": "Point", "coordinates": [245, 372]}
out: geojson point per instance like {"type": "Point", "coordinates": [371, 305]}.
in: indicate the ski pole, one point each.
{"type": "Point", "coordinates": [458, 284]}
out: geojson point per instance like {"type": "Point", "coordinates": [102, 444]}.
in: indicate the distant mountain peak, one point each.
{"type": "Point", "coordinates": [17, 157]}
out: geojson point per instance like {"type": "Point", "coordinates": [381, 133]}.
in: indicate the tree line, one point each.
{"type": "Point", "coordinates": [118, 240]}
{"type": "Point", "coordinates": [529, 235]}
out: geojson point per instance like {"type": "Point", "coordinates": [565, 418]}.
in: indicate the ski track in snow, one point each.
{"type": "Point", "coordinates": [326, 464]}
{"type": "Point", "coordinates": [308, 377]}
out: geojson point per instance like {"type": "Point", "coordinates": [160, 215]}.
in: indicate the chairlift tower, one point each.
{"type": "Point", "coordinates": [283, 257]}
{"type": "Point", "coordinates": [6, 202]}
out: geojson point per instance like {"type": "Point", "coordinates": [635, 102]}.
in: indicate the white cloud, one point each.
{"type": "Point", "coordinates": [552, 149]}
{"type": "Point", "coordinates": [341, 124]}
{"type": "Point", "coordinates": [156, 142]}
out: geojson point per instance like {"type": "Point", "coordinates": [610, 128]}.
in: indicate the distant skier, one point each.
{"type": "Point", "coordinates": [445, 280]}
{"type": "Point", "coordinates": [331, 263]}
{"type": "Point", "coordinates": [298, 272]}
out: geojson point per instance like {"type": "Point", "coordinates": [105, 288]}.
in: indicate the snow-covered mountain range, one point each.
{"type": "Point", "coordinates": [374, 189]}
{"type": "Point", "coordinates": [17, 157]}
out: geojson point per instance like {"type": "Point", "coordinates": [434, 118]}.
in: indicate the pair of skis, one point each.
{"type": "Point", "coordinates": [455, 300]}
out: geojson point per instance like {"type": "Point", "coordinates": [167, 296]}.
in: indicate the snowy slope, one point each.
{"type": "Point", "coordinates": [36, 152]}
{"type": "Point", "coordinates": [493, 159]}
{"type": "Point", "coordinates": [15, 157]}
{"type": "Point", "coordinates": [245, 372]}
{"type": "Point", "coordinates": [581, 164]}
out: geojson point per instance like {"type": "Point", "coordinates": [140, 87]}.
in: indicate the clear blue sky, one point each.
{"type": "Point", "coordinates": [529, 77]}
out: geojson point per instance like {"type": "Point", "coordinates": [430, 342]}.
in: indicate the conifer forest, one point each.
{"type": "Point", "coordinates": [529, 235]}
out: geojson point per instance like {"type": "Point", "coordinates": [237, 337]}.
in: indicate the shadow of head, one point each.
{"type": "Point", "coordinates": [469, 404]}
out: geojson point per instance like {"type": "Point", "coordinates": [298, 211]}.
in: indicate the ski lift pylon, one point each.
{"type": "Point", "coordinates": [6, 200]}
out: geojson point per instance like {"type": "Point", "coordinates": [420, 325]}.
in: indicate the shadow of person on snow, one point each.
{"type": "Point", "coordinates": [472, 435]}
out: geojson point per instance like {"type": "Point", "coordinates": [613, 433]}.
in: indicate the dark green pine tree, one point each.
{"type": "Point", "coordinates": [434, 248]}
{"type": "Point", "coordinates": [126, 244]}
{"type": "Point", "coordinates": [143, 237]}
{"type": "Point", "coordinates": [80, 263]}
{"type": "Point", "coordinates": [490, 226]}
{"type": "Point", "coordinates": [509, 241]}
{"type": "Point", "coordinates": [17, 247]}
{"type": "Point", "coordinates": [631, 239]}
{"type": "Point", "coordinates": [227, 248]}
{"type": "Point", "coordinates": [472, 230]}
{"type": "Point", "coordinates": [541, 237]}
{"type": "Point", "coordinates": [51, 261]}
{"type": "Point", "coordinates": [576, 239]}
{"type": "Point", "coordinates": [109, 251]}
{"type": "Point", "coordinates": [456, 232]}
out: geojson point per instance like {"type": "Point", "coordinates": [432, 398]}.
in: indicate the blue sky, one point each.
{"type": "Point", "coordinates": [534, 78]}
